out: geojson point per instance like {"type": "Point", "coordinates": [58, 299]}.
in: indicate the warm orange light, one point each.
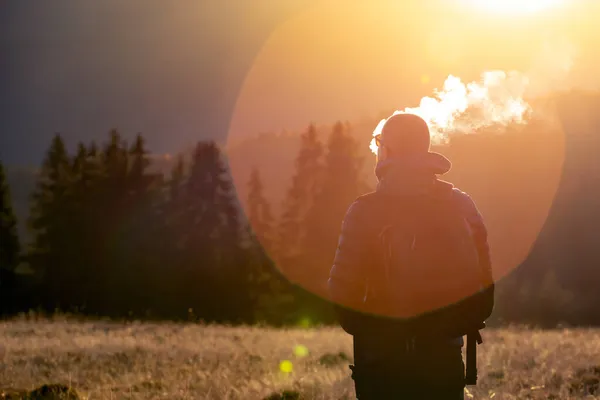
{"type": "Point", "coordinates": [515, 6]}
{"type": "Point", "coordinates": [497, 99]}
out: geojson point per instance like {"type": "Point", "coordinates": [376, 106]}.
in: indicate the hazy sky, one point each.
{"type": "Point", "coordinates": [173, 70]}
{"type": "Point", "coordinates": [345, 59]}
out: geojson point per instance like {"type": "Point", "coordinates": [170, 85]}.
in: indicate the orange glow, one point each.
{"type": "Point", "coordinates": [367, 59]}
{"type": "Point", "coordinates": [497, 100]}
{"type": "Point", "coordinates": [516, 6]}
{"type": "Point", "coordinates": [385, 54]}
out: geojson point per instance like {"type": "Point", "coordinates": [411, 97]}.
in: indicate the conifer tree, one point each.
{"type": "Point", "coordinates": [49, 220]}
{"type": "Point", "coordinates": [209, 237]}
{"type": "Point", "coordinates": [259, 211]}
{"type": "Point", "coordinates": [10, 247]}
{"type": "Point", "coordinates": [299, 198]}
{"type": "Point", "coordinates": [173, 209]}
{"type": "Point", "coordinates": [271, 295]}
{"type": "Point", "coordinates": [340, 186]}
{"type": "Point", "coordinates": [170, 249]}
{"type": "Point", "coordinates": [142, 227]}
{"type": "Point", "coordinates": [177, 178]}
{"type": "Point", "coordinates": [86, 175]}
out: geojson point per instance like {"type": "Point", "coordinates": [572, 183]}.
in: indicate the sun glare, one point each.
{"type": "Point", "coordinates": [516, 6]}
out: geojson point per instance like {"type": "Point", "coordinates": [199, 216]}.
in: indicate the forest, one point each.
{"type": "Point", "coordinates": [245, 231]}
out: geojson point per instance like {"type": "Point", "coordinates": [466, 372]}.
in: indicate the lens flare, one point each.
{"type": "Point", "coordinates": [300, 351]}
{"type": "Point", "coordinates": [286, 366]}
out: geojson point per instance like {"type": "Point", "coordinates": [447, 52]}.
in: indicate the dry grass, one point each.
{"type": "Point", "coordinates": [169, 361]}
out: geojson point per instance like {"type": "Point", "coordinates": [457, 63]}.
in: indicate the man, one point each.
{"type": "Point", "coordinates": [387, 363]}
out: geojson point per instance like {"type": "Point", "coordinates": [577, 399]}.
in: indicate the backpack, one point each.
{"type": "Point", "coordinates": [428, 278]}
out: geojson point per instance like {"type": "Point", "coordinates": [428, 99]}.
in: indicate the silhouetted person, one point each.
{"type": "Point", "coordinates": [412, 272]}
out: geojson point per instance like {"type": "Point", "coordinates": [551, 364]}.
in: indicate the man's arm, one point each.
{"type": "Point", "coordinates": [480, 236]}
{"type": "Point", "coordinates": [347, 278]}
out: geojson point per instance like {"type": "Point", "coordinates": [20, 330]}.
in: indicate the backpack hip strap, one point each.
{"type": "Point", "coordinates": [473, 339]}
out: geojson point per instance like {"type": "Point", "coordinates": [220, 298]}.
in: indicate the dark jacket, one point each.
{"type": "Point", "coordinates": [397, 178]}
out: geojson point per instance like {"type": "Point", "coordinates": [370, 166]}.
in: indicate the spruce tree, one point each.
{"type": "Point", "coordinates": [173, 210]}
{"type": "Point", "coordinates": [9, 249]}
{"type": "Point", "coordinates": [175, 300]}
{"type": "Point", "coordinates": [210, 235]}
{"type": "Point", "coordinates": [270, 294]}
{"type": "Point", "coordinates": [49, 221]}
{"type": "Point", "coordinates": [142, 227]}
{"type": "Point", "coordinates": [86, 175]}
{"type": "Point", "coordinates": [340, 186]}
{"type": "Point", "coordinates": [177, 178]}
{"type": "Point", "coordinates": [210, 198]}
{"type": "Point", "coordinates": [259, 211]}
{"type": "Point", "coordinates": [299, 198]}
{"type": "Point", "coordinates": [127, 229]}
{"type": "Point", "coordinates": [9, 240]}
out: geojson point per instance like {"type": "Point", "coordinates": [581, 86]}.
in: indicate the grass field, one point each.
{"type": "Point", "coordinates": [104, 360]}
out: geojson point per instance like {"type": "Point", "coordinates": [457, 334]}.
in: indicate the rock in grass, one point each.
{"type": "Point", "coordinates": [285, 395]}
{"type": "Point", "coordinates": [53, 391]}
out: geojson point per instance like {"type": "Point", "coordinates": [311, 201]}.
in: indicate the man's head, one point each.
{"type": "Point", "coordinates": [403, 135]}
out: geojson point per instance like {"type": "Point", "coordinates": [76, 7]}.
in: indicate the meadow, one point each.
{"type": "Point", "coordinates": [110, 360]}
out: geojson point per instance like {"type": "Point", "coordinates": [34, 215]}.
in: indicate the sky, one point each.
{"type": "Point", "coordinates": [349, 59]}
{"type": "Point", "coordinates": [179, 72]}
{"type": "Point", "coordinates": [171, 71]}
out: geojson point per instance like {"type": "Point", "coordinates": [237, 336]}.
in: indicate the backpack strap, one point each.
{"type": "Point", "coordinates": [473, 339]}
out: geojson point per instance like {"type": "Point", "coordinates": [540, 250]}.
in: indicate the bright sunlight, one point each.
{"type": "Point", "coordinates": [516, 6]}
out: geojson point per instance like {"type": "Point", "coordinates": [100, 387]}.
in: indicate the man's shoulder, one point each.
{"type": "Point", "coordinates": [363, 205]}
{"type": "Point", "coordinates": [367, 198]}
{"type": "Point", "coordinates": [368, 202]}
{"type": "Point", "coordinates": [461, 195]}
{"type": "Point", "coordinates": [466, 204]}
{"type": "Point", "coordinates": [454, 193]}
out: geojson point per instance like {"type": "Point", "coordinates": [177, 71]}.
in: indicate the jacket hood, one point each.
{"type": "Point", "coordinates": [412, 175]}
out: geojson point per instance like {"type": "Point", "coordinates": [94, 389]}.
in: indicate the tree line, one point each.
{"type": "Point", "coordinates": [110, 235]}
